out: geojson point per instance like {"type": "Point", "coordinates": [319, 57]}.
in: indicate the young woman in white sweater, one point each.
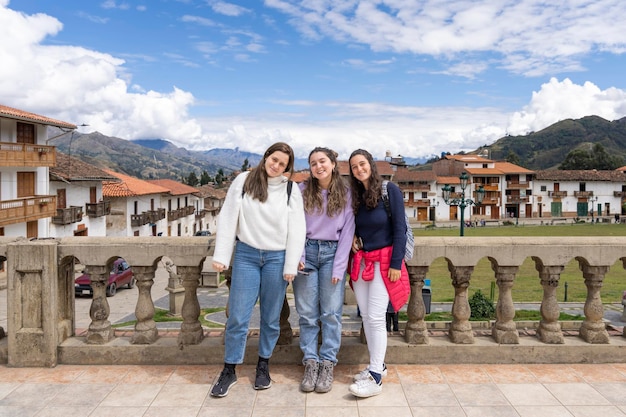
{"type": "Point", "coordinates": [264, 224]}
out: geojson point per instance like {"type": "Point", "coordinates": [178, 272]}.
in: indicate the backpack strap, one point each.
{"type": "Point", "coordinates": [385, 196]}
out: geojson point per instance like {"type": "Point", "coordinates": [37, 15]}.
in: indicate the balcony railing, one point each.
{"type": "Point", "coordinates": [27, 209]}
{"type": "Point", "coordinates": [72, 214]}
{"type": "Point", "coordinates": [517, 185]}
{"type": "Point", "coordinates": [583, 193]}
{"type": "Point", "coordinates": [100, 209]}
{"type": "Point", "coordinates": [49, 337]}
{"type": "Point", "coordinates": [14, 154]}
{"type": "Point", "coordinates": [137, 220]}
{"type": "Point", "coordinates": [557, 193]}
{"type": "Point", "coordinates": [180, 212]}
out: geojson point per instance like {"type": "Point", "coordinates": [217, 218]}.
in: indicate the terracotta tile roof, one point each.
{"type": "Point", "coordinates": [11, 113]}
{"type": "Point", "coordinates": [580, 175]}
{"type": "Point", "coordinates": [129, 186]}
{"type": "Point", "coordinates": [468, 158]}
{"type": "Point", "coordinates": [72, 169]}
{"type": "Point", "coordinates": [300, 176]}
{"type": "Point", "coordinates": [210, 191]}
{"type": "Point", "coordinates": [448, 180]}
{"type": "Point", "coordinates": [175, 187]}
{"type": "Point", "coordinates": [509, 168]}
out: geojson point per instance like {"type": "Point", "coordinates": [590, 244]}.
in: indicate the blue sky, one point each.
{"type": "Point", "coordinates": [415, 78]}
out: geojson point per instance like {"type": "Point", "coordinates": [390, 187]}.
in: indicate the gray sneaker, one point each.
{"type": "Point", "coordinates": [325, 378]}
{"type": "Point", "coordinates": [311, 367]}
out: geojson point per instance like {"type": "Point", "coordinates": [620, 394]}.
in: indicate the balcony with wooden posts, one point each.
{"type": "Point", "coordinates": [517, 185]}
{"type": "Point", "coordinates": [27, 209]}
{"type": "Point", "coordinates": [557, 193]}
{"type": "Point", "coordinates": [69, 215]}
{"type": "Point", "coordinates": [583, 194]}
{"type": "Point", "coordinates": [137, 220]}
{"type": "Point", "coordinates": [14, 154]}
{"type": "Point", "coordinates": [100, 209]}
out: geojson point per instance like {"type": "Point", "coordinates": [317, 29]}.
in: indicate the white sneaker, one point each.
{"type": "Point", "coordinates": [366, 388]}
{"type": "Point", "coordinates": [365, 373]}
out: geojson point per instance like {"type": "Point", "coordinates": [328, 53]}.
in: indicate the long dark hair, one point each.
{"type": "Point", "coordinates": [373, 193]}
{"type": "Point", "coordinates": [256, 182]}
{"type": "Point", "coordinates": [337, 189]}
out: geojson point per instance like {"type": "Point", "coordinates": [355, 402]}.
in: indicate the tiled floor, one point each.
{"type": "Point", "coordinates": [409, 390]}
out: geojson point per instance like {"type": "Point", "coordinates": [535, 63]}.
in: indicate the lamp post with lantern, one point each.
{"type": "Point", "coordinates": [592, 200]}
{"type": "Point", "coordinates": [461, 201]}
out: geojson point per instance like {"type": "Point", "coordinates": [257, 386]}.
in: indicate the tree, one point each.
{"type": "Point", "coordinates": [192, 179]}
{"type": "Point", "coordinates": [205, 178]}
{"type": "Point", "coordinates": [245, 165]}
{"type": "Point", "coordinates": [513, 158]}
{"type": "Point", "coordinates": [219, 177]}
{"type": "Point", "coordinates": [595, 157]}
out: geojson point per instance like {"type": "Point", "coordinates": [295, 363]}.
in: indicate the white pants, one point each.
{"type": "Point", "coordinates": [373, 299]}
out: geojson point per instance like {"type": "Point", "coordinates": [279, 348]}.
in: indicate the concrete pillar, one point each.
{"type": "Point", "coordinates": [504, 330]}
{"type": "Point", "coordinates": [549, 330]}
{"type": "Point", "coordinates": [593, 329]}
{"type": "Point", "coordinates": [461, 329]}
{"type": "Point", "coordinates": [32, 303]}
{"type": "Point", "coordinates": [416, 332]}
{"type": "Point", "coordinates": [145, 328]}
{"type": "Point", "coordinates": [100, 331]}
{"type": "Point", "coordinates": [191, 332]}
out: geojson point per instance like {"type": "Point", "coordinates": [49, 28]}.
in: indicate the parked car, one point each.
{"type": "Point", "coordinates": [203, 233]}
{"type": "Point", "coordinates": [121, 275]}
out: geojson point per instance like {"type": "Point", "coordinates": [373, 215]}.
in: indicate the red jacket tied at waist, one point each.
{"type": "Point", "coordinates": [399, 290]}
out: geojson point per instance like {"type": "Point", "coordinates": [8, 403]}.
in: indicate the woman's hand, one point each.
{"type": "Point", "coordinates": [288, 277]}
{"type": "Point", "coordinates": [300, 266]}
{"type": "Point", "coordinates": [218, 266]}
{"type": "Point", "coordinates": [394, 274]}
{"type": "Point", "coordinates": [335, 280]}
{"type": "Point", "coordinates": [356, 244]}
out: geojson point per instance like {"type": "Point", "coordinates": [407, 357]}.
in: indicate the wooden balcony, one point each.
{"type": "Point", "coordinates": [137, 220]}
{"type": "Point", "coordinates": [27, 209]}
{"type": "Point", "coordinates": [557, 193]}
{"type": "Point", "coordinates": [72, 214]}
{"type": "Point", "coordinates": [27, 155]}
{"type": "Point", "coordinates": [155, 215]}
{"type": "Point", "coordinates": [181, 212]}
{"type": "Point", "coordinates": [100, 209]}
{"type": "Point", "coordinates": [515, 199]}
{"type": "Point", "coordinates": [583, 193]}
{"type": "Point", "coordinates": [517, 185]}
{"type": "Point", "coordinates": [619, 193]}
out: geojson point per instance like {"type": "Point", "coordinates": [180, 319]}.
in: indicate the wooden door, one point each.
{"type": "Point", "coordinates": [25, 184]}
{"type": "Point", "coordinates": [61, 198]}
{"type": "Point", "coordinates": [32, 231]}
{"type": "Point", "coordinates": [25, 133]}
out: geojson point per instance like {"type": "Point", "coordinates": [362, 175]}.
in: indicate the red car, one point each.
{"type": "Point", "coordinates": [121, 275]}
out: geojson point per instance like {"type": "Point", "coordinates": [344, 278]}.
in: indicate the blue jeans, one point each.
{"type": "Point", "coordinates": [319, 302]}
{"type": "Point", "coordinates": [257, 275]}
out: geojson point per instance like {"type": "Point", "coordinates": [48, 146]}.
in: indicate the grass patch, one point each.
{"type": "Point", "coordinates": [520, 315]}
{"type": "Point", "coordinates": [527, 285]}
{"type": "Point", "coordinates": [161, 315]}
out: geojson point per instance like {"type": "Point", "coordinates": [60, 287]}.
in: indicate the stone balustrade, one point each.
{"type": "Point", "coordinates": [41, 310]}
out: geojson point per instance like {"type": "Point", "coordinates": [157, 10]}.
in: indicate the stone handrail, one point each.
{"type": "Point", "coordinates": [41, 306]}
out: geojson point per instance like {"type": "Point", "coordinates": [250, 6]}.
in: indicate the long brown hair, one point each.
{"type": "Point", "coordinates": [337, 189]}
{"type": "Point", "coordinates": [374, 192]}
{"type": "Point", "coordinates": [256, 182]}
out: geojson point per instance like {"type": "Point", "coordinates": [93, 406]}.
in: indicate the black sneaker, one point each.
{"type": "Point", "coordinates": [226, 380]}
{"type": "Point", "coordinates": [262, 380]}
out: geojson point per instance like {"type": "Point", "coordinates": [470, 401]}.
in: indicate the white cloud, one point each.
{"type": "Point", "coordinates": [523, 34]}
{"type": "Point", "coordinates": [558, 100]}
{"type": "Point", "coordinates": [228, 9]}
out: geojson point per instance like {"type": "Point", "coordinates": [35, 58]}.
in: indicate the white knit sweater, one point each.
{"type": "Point", "coordinates": [272, 225]}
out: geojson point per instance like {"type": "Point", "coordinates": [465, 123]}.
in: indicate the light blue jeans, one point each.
{"type": "Point", "coordinates": [257, 275]}
{"type": "Point", "coordinates": [319, 302]}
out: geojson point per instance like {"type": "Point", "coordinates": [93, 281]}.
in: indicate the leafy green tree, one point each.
{"type": "Point", "coordinates": [245, 165]}
{"type": "Point", "coordinates": [595, 157]}
{"type": "Point", "coordinates": [192, 179]}
{"type": "Point", "coordinates": [205, 178]}
{"type": "Point", "coordinates": [513, 158]}
{"type": "Point", "coordinates": [219, 177]}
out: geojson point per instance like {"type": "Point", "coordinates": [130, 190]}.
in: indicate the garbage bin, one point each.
{"type": "Point", "coordinates": [426, 295]}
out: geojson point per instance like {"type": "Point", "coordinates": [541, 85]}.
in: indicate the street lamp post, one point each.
{"type": "Point", "coordinates": [463, 202]}
{"type": "Point", "coordinates": [433, 208]}
{"type": "Point", "coordinates": [592, 200]}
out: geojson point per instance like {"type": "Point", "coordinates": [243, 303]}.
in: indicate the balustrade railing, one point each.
{"type": "Point", "coordinates": [41, 307]}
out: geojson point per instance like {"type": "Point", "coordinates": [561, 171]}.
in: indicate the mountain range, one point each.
{"type": "Point", "coordinates": [158, 158]}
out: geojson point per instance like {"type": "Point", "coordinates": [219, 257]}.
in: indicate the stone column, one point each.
{"type": "Point", "coordinates": [460, 328]}
{"type": "Point", "coordinates": [549, 330]}
{"type": "Point", "coordinates": [593, 329]}
{"type": "Point", "coordinates": [504, 330]}
{"type": "Point", "coordinates": [32, 286]}
{"type": "Point", "coordinates": [191, 332]}
{"type": "Point", "coordinates": [100, 331]}
{"type": "Point", "coordinates": [416, 332]}
{"type": "Point", "coordinates": [145, 328]}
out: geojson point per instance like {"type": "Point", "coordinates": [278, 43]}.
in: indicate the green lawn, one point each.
{"type": "Point", "coordinates": [527, 286]}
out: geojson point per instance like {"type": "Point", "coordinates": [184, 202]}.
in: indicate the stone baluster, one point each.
{"type": "Point", "coordinates": [593, 329]}
{"type": "Point", "coordinates": [191, 332]}
{"type": "Point", "coordinates": [460, 328]}
{"type": "Point", "coordinates": [504, 330]}
{"type": "Point", "coordinates": [100, 331]}
{"type": "Point", "coordinates": [416, 332]}
{"type": "Point", "coordinates": [145, 328]}
{"type": "Point", "coordinates": [549, 330]}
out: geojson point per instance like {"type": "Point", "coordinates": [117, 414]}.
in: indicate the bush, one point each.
{"type": "Point", "coordinates": [481, 307]}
